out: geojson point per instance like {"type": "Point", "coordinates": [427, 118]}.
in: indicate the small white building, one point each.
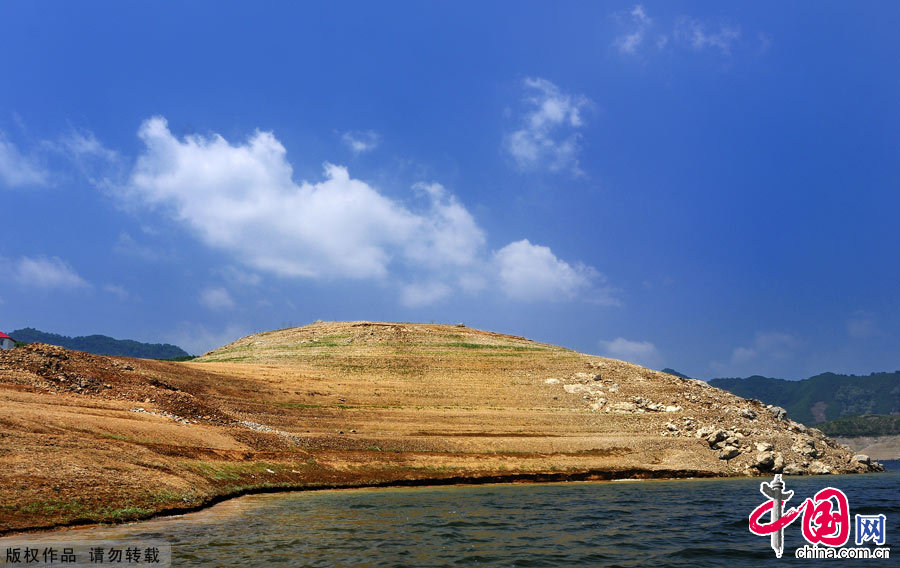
{"type": "Point", "coordinates": [6, 342]}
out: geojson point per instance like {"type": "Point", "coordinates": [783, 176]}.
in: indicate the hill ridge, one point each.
{"type": "Point", "coordinates": [823, 397]}
{"type": "Point", "coordinates": [97, 344]}
{"type": "Point", "coordinates": [334, 405]}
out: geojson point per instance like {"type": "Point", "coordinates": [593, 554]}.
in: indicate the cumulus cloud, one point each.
{"type": "Point", "coordinates": [449, 235]}
{"type": "Point", "coordinates": [531, 272]}
{"type": "Point", "coordinates": [238, 196]}
{"type": "Point", "coordinates": [44, 273]}
{"type": "Point", "coordinates": [242, 199]}
{"type": "Point", "coordinates": [18, 169]}
{"type": "Point", "coordinates": [217, 299]}
{"type": "Point", "coordinates": [640, 352]}
{"type": "Point", "coordinates": [638, 24]}
{"type": "Point", "coordinates": [361, 142]}
{"type": "Point", "coordinates": [548, 137]}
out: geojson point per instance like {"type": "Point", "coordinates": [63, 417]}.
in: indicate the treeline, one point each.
{"type": "Point", "coordinates": [102, 345]}
{"type": "Point", "coordinates": [862, 425]}
{"type": "Point", "coordinates": [824, 397]}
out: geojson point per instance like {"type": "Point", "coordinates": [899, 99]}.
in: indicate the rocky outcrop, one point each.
{"type": "Point", "coordinates": [753, 438]}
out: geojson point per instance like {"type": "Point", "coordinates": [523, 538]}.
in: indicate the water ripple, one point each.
{"type": "Point", "coordinates": [654, 523]}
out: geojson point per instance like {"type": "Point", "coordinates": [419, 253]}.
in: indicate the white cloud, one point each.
{"type": "Point", "coordinates": [240, 277]}
{"type": "Point", "coordinates": [44, 273]}
{"type": "Point", "coordinates": [82, 145]}
{"type": "Point", "coordinates": [198, 339]}
{"type": "Point", "coordinates": [17, 169]}
{"type": "Point", "coordinates": [530, 272]}
{"type": "Point", "coordinates": [686, 32]}
{"type": "Point", "coordinates": [361, 142]}
{"type": "Point", "coordinates": [81, 151]}
{"type": "Point", "coordinates": [548, 138]}
{"type": "Point", "coordinates": [639, 23]}
{"type": "Point", "coordinates": [417, 295]}
{"type": "Point", "coordinates": [217, 299]}
{"type": "Point", "coordinates": [766, 347]}
{"type": "Point", "coordinates": [450, 236]}
{"type": "Point", "coordinates": [698, 35]}
{"type": "Point", "coordinates": [640, 352]}
{"type": "Point", "coordinates": [236, 196]}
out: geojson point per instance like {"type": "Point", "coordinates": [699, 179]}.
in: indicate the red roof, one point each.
{"type": "Point", "coordinates": [4, 336]}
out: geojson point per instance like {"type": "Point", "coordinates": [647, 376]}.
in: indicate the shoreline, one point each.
{"type": "Point", "coordinates": [459, 481]}
{"type": "Point", "coordinates": [462, 480]}
{"type": "Point", "coordinates": [94, 440]}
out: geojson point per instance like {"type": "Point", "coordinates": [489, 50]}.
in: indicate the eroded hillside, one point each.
{"type": "Point", "coordinates": [89, 438]}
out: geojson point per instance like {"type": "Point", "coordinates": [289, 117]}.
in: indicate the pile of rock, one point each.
{"type": "Point", "coordinates": [749, 436]}
{"type": "Point", "coordinates": [726, 442]}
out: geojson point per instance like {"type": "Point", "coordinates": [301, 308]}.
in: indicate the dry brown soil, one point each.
{"type": "Point", "coordinates": [86, 439]}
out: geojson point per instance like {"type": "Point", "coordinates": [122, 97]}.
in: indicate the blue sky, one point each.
{"type": "Point", "coordinates": [705, 186]}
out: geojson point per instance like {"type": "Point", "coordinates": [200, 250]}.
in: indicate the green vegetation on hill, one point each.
{"type": "Point", "coordinates": [101, 345]}
{"type": "Point", "coordinates": [823, 397]}
{"type": "Point", "coordinates": [863, 425]}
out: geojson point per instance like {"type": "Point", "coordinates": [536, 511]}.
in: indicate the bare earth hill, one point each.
{"type": "Point", "coordinates": [86, 438]}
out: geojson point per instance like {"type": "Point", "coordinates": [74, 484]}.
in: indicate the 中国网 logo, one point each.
{"type": "Point", "coordinates": [825, 520]}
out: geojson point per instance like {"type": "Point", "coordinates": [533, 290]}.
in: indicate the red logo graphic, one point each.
{"type": "Point", "coordinates": [763, 529]}
{"type": "Point", "coordinates": [826, 516]}
{"type": "Point", "coordinates": [821, 524]}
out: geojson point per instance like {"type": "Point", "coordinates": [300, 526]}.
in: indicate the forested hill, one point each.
{"type": "Point", "coordinates": [101, 344]}
{"type": "Point", "coordinates": [863, 425]}
{"type": "Point", "coordinates": [823, 397]}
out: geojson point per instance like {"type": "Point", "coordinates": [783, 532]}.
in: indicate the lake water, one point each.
{"type": "Point", "coordinates": [622, 523]}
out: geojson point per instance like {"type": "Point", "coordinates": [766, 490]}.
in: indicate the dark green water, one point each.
{"type": "Point", "coordinates": [629, 523]}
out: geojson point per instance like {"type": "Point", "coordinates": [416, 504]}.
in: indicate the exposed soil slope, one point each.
{"type": "Point", "coordinates": [877, 447]}
{"type": "Point", "coordinates": [87, 438]}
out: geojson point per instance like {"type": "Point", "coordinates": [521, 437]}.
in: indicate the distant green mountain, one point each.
{"type": "Point", "coordinates": [823, 397]}
{"type": "Point", "coordinates": [862, 425]}
{"type": "Point", "coordinates": [676, 373]}
{"type": "Point", "coordinates": [101, 345]}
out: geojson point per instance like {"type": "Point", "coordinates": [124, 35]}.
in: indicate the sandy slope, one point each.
{"type": "Point", "coordinates": [87, 438]}
{"type": "Point", "coordinates": [878, 447]}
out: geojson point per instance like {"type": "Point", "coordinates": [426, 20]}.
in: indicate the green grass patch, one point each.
{"type": "Point", "coordinates": [297, 405]}
{"type": "Point", "coordinates": [55, 507]}
{"type": "Point", "coordinates": [116, 437]}
{"type": "Point", "coordinates": [465, 345]}
{"type": "Point", "coordinates": [229, 359]}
